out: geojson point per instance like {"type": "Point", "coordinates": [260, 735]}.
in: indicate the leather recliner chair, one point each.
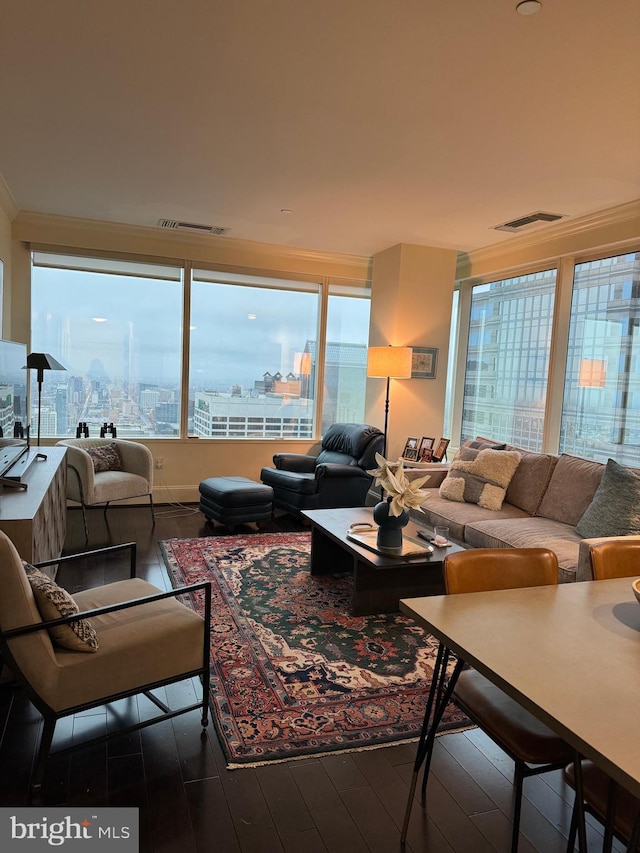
{"type": "Point", "coordinates": [336, 477]}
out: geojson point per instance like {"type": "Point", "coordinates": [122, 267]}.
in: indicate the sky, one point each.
{"type": "Point", "coordinates": [237, 332]}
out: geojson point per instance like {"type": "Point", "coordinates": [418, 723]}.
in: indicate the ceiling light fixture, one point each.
{"type": "Point", "coordinates": [251, 316]}
{"type": "Point", "coordinates": [529, 7]}
{"type": "Point", "coordinates": [99, 319]}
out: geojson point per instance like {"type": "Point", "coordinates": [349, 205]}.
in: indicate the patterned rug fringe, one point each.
{"type": "Point", "coordinates": [328, 754]}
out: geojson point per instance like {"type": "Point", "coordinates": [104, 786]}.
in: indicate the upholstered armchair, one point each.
{"type": "Point", "coordinates": [97, 475]}
{"type": "Point", "coordinates": [336, 477]}
{"type": "Point", "coordinates": [104, 643]}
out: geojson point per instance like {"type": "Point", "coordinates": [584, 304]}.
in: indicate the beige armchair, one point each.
{"type": "Point", "coordinates": [90, 488]}
{"type": "Point", "coordinates": [139, 638]}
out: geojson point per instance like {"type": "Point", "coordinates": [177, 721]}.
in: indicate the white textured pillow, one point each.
{"type": "Point", "coordinates": [482, 479]}
{"type": "Point", "coordinates": [55, 602]}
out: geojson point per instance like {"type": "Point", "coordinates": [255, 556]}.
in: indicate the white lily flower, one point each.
{"type": "Point", "coordinates": [404, 494]}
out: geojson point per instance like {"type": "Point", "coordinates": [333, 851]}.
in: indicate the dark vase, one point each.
{"type": "Point", "coordinates": [389, 526]}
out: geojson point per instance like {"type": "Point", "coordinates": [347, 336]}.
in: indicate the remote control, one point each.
{"type": "Point", "coordinates": [424, 535]}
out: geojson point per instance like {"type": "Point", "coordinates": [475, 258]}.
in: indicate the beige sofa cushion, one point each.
{"type": "Point", "coordinates": [529, 533]}
{"type": "Point", "coordinates": [531, 479]}
{"type": "Point", "coordinates": [455, 515]}
{"type": "Point", "coordinates": [571, 489]}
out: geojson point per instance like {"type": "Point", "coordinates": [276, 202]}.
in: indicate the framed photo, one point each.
{"type": "Point", "coordinates": [425, 450]}
{"type": "Point", "coordinates": [411, 449]}
{"type": "Point", "coordinates": [423, 363]}
{"type": "Point", "coordinates": [441, 450]}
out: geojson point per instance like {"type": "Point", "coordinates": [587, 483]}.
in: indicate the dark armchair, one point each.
{"type": "Point", "coordinates": [336, 477]}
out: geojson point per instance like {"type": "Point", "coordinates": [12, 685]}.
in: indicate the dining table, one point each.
{"type": "Point", "coordinates": [569, 653]}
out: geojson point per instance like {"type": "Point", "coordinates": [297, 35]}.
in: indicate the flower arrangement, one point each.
{"type": "Point", "coordinates": [402, 493]}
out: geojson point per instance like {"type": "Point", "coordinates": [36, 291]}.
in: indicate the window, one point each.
{"type": "Point", "coordinates": [258, 349]}
{"type": "Point", "coordinates": [116, 326]}
{"type": "Point", "coordinates": [345, 363]}
{"type": "Point", "coordinates": [508, 359]}
{"type": "Point", "coordinates": [599, 415]}
{"type": "Point", "coordinates": [252, 355]}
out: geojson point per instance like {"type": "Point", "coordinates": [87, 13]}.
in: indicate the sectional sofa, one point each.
{"type": "Point", "coordinates": [545, 500]}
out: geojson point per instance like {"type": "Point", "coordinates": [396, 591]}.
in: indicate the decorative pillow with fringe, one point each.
{"type": "Point", "coordinates": [53, 602]}
{"type": "Point", "coordinates": [482, 479]}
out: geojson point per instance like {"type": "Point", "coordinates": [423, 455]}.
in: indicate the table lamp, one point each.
{"type": "Point", "coordinates": [41, 361]}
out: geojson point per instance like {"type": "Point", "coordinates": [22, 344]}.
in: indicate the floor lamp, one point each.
{"type": "Point", "coordinates": [41, 361]}
{"type": "Point", "coordinates": [390, 363]}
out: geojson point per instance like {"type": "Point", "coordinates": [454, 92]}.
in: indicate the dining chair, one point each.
{"type": "Point", "coordinates": [616, 558]}
{"type": "Point", "coordinates": [74, 653]}
{"type": "Point", "coordinates": [612, 805]}
{"type": "Point", "coordinates": [533, 746]}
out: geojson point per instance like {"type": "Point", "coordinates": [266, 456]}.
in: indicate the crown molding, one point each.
{"type": "Point", "coordinates": [31, 226]}
{"type": "Point", "coordinates": [7, 201]}
{"type": "Point", "coordinates": [543, 242]}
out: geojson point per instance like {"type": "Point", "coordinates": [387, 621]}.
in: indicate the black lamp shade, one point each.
{"type": "Point", "coordinates": [43, 361]}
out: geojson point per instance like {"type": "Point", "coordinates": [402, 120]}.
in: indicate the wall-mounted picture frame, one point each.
{"type": "Point", "coordinates": [410, 449]}
{"type": "Point", "coordinates": [423, 363]}
{"type": "Point", "coordinates": [425, 449]}
{"type": "Point", "coordinates": [441, 450]}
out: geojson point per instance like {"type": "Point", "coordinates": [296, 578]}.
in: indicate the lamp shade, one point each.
{"type": "Point", "coordinates": [390, 362]}
{"type": "Point", "coordinates": [593, 373]}
{"type": "Point", "coordinates": [43, 361]}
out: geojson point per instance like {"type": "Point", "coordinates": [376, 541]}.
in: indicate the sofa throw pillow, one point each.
{"type": "Point", "coordinates": [475, 444]}
{"type": "Point", "coordinates": [615, 508]}
{"type": "Point", "coordinates": [53, 602]}
{"type": "Point", "coordinates": [480, 479]}
{"type": "Point", "coordinates": [106, 457]}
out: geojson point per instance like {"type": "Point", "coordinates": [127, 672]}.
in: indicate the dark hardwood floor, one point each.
{"type": "Point", "coordinates": [188, 801]}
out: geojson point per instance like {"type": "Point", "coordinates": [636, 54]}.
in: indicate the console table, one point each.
{"type": "Point", "coordinates": [35, 518]}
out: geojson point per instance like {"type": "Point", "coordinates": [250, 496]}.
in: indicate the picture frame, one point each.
{"type": "Point", "coordinates": [410, 451]}
{"type": "Point", "coordinates": [425, 449]}
{"type": "Point", "coordinates": [423, 362]}
{"type": "Point", "coordinates": [441, 450]}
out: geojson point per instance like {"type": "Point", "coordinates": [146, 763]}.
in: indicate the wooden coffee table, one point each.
{"type": "Point", "coordinates": [379, 581]}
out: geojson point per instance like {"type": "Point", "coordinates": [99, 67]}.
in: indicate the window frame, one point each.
{"type": "Point", "coordinates": [325, 283]}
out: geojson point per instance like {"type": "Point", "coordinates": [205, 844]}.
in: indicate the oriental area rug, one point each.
{"type": "Point", "coordinates": [293, 673]}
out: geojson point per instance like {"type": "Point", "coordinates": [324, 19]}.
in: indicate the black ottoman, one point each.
{"type": "Point", "coordinates": [235, 500]}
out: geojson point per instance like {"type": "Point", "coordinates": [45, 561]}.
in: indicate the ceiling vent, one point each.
{"type": "Point", "coordinates": [516, 225]}
{"type": "Point", "coordinates": [176, 225]}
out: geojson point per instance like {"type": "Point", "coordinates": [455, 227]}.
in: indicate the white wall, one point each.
{"type": "Point", "coordinates": [411, 294]}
